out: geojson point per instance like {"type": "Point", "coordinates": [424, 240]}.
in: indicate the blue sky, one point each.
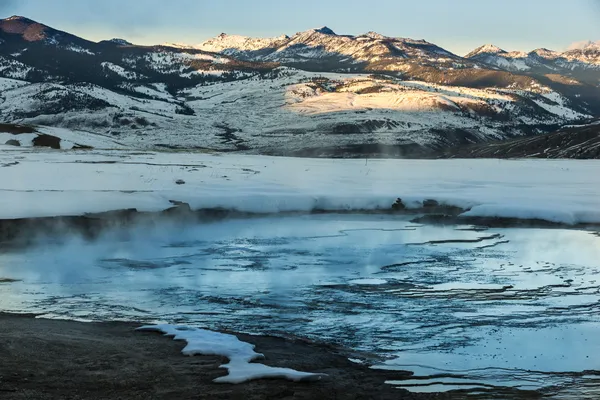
{"type": "Point", "coordinates": [457, 25]}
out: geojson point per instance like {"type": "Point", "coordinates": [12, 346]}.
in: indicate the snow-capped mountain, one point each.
{"type": "Point", "coordinates": [316, 48]}
{"type": "Point", "coordinates": [312, 93]}
{"type": "Point", "coordinates": [581, 63]}
{"type": "Point", "coordinates": [236, 43]}
{"type": "Point", "coordinates": [489, 66]}
{"type": "Point", "coordinates": [588, 53]}
{"type": "Point", "coordinates": [35, 52]}
{"type": "Point", "coordinates": [486, 49]}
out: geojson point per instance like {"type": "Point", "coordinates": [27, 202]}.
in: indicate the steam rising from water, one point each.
{"type": "Point", "coordinates": [504, 307]}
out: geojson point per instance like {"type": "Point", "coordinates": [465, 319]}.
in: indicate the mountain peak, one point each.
{"type": "Point", "coordinates": [30, 30]}
{"type": "Point", "coordinates": [235, 43]}
{"type": "Point", "coordinates": [120, 42]}
{"type": "Point", "coordinates": [19, 18]}
{"type": "Point", "coordinates": [544, 52]}
{"type": "Point", "coordinates": [325, 31]}
{"type": "Point", "coordinates": [374, 35]}
{"type": "Point", "coordinates": [486, 49]}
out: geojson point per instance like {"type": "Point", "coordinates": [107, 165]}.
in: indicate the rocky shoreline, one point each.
{"type": "Point", "coordinates": [50, 359]}
{"type": "Point", "coordinates": [24, 231]}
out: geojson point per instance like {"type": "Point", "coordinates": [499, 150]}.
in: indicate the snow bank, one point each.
{"type": "Point", "coordinates": [24, 139]}
{"type": "Point", "coordinates": [240, 354]}
{"type": "Point", "coordinates": [52, 183]}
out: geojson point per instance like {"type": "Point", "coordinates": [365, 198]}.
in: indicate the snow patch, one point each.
{"type": "Point", "coordinates": [368, 281]}
{"type": "Point", "coordinates": [8, 84]}
{"type": "Point", "coordinates": [117, 69]}
{"type": "Point", "coordinates": [79, 49]}
{"type": "Point", "coordinates": [241, 354]}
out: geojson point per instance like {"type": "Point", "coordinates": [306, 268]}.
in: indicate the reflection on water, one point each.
{"type": "Point", "coordinates": [462, 308]}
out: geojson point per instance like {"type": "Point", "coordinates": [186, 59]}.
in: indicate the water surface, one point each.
{"type": "Point", "coordinates": [463, 308]}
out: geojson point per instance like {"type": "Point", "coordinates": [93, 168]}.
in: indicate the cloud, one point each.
{"type": "Point", "coordinates": [583, 44]}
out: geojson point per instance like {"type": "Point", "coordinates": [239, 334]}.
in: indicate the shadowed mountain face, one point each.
{"type": "Point", "coordinates": [35, 52]}
{"type": "Point", "coordinates": [312, 93]}
{"type": "Point", "coordinates": [579, 142]}
{"type": "Point", "coordinates": [31, 31]}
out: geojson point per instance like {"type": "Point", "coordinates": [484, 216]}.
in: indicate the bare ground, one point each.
{"type": "Point", "coordinates": [48, 359]}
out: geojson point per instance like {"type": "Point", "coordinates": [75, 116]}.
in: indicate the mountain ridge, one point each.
{"type": "Point", "coordinates": [582, 64]}
{"type": "Point", "coordinates": [367, 47]}
{"type": "Point", "coordinates": [279, 95]}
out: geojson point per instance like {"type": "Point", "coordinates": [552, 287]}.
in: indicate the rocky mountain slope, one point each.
{"type": "Point", "coordinates": [315, 92]}
{"type": "Point", "coordinates": [577, 141]}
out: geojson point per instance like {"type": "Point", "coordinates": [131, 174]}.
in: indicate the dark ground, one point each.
{"type": "Point", "coordinates": [569, 143]}
{"type": "Point", "coordinates": [48, 359]}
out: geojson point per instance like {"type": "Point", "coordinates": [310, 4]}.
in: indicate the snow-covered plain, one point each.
{"type": "Point", "coordinates": [41, 183]}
